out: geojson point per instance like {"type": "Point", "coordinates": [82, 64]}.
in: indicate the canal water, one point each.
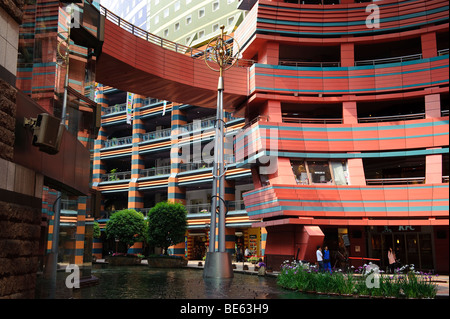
{"type": "Point", "coordinates": [141, 282]}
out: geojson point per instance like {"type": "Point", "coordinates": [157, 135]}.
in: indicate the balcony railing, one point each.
{"type": "Point", "coordinates": [118, 141]}
{"type": "Point", "coordinates": [396, 181]}
{"type": "Point", "coordinates": [156, 135]}
{"type": "Point", "coordinates": [391, 118]}
{"type": "Point", "coordinates": [311, 120]}
{"type": "Point", "coordinates": [123, 106]}
{"type": "Point", "coordinates": [186, 167]}
{"type": "Point", "coordinates": [286, 62]}
{"type": "Point", "coordinates": [114, 177]}
{"type": "Point", "coordinates": [444, 113]}
{"type": "Point", "coordinates": [205, 208]}
{"type": "Point", "coordinates": [444, 179]}
{"type": "Point", "coordinates": [398, 59]}
{"type": "Point", "coordinates": [155, 171]}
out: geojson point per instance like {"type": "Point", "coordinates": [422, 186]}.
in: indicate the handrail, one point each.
{"type": "Point", "coordinates": [287, 62]}
{"type": "Point", "coordinates": [389, 60]}
{"type": "Point", "coordinates": [163, 43]}
{"type": "Point", "coordinates": [155, 171]}
{"type": "Point", "coordinates": [395, 181]}
{"type": "Point", "coordinates": [118, 142]}
{"type": "Point", "coordinates": [417, 116]}
{"type": "Point", "coordinates": [118, 176]}
{"type": "Point", "coordinates": [311, 120]}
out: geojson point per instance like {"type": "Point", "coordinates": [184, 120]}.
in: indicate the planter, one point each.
{"type": "Point", "coordinates": [123, 260]}
{"type": "Point", "coordinates": [166, 262]}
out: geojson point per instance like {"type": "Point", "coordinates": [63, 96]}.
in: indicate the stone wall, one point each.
{"type": "Point", "coordinates": [20, 187]}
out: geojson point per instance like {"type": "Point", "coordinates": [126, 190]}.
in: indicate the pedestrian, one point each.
{"type": "Point", "coordinates": [247, 253]}
{"type": "Point", "coordinates": [326, 259]}
{"type": "Point", "coordinates": [319, 257]}
{"type": "Point", "coordinates": [392, 260]}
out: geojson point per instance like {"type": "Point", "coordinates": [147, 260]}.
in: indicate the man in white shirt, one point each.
{"type": "Point", "coordinates": [319, 257]}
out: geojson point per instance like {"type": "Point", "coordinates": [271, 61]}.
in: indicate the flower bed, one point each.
{"type": "Point", "coordinates": [366, 281]}
{"type": "Point", "coordinates": [120, 259]}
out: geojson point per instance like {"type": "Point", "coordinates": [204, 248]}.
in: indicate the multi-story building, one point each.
{"type": "Point", "coordinates": [350, 101]}
{"type": "Point", "coordinates": [134, 11]}
{"type": "Point", "coordinates": [134, 169]}
{"type": "Point", "coordinates": [192, 22]}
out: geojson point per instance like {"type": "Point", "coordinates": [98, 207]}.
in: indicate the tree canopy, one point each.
{"type": "Point", "coordinates": [166, 224]}
{"type": "Point", "coordinates": [127, 225]}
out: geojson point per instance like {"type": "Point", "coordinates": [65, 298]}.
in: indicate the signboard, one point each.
{"type": "Point", "coordinates": [129, 107]}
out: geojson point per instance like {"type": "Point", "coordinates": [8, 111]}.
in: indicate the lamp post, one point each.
{"type": "Point", "coordinates": [219, 57]}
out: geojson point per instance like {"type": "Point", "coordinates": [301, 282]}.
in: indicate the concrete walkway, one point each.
{"type": "Point", "coordinates": [441, 281]}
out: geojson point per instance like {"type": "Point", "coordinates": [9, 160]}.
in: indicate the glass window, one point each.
{"type": "Point", "coordinates": [320, 172]}
{"type": "Point", "coordinates": [201, 12]}
{"type": "Point", "coordinates": [300, 173]}
{"type": "Point", "coordinates": [188, 19]}
{"type": "Point", "coordinates": [340, 173]}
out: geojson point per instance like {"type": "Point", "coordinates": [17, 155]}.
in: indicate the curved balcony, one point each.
{"type": "Point", "coordinates": [306, 140]}
{"type": "Point", "coordinates": [338, 20]}
{"type": "Point", "coordinates": [335, 81]}
{"type": "Point", "coordinates": [349, 205]}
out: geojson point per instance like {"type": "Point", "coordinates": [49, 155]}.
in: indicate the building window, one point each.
{"type": "Point", "coordinates": [201, 34]}
{"type": "Point", "coordinates": [166, 33]}
{"type": "Point", "coordinates": [201, 13]}
{"type": "Point", "coordinates": [188, 40]}
{"type": "Point", "coordinates": [156, 2]}
{"type": "Point", "coordinates": [177, 26]}
{"type": "Point", "coordinates": [188, 1]}
{"type": "Point", "coordinates": [230, 1]}
{"type": "Point", "coordinates": [320, 172]}
{"type": "Point", "coordinates": [156, 19]}
{"type": "Point", "coordinates": [215, 6]}
{"type": "Point", "coordinates": [230, 20]}
{"type": "Point", "coordinates": [177, 6]}
{"type": "Point", "coordinates": [166, 12]}
{"type": "Point", "coordinates": [215, 27]}
{"type": "Point", "coordinates": [188, 19]}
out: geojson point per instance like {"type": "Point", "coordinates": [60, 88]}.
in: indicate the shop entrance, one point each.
{"type": "Point", "coordinates": [412, 245]}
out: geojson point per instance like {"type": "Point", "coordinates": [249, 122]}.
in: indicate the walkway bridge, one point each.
{"type": "Point", "coordinates": [136, 61]}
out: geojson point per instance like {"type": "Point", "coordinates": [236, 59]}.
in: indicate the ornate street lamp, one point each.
{"type": "Point", "coordinates": [220, 55]}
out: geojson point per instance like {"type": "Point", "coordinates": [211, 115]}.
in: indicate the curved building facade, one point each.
{"type": "Point", "coordinates": [347, 133]}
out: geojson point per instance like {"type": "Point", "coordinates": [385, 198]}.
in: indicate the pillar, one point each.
{"type": "Point", "coordinates": [349, 112]}
{"type": "Point", "coordinates": [81, 229]}
{"type": "Point", "coordinates": [433, 169]}
{"type": "Point", "coordinates": [135, 197]}
{"type": "Point", "coordinates": [432, 106]}
{"type": "Point", "coordinates": [269, 53]}
{"type": "Point", "coordinates": [176, 193]}
{"type": "Point", "coordinates": [429, 45]}
{"type": "Point", "coordinates": [356, 175]}
{"type": "Point", "coordinates": [347, 54]}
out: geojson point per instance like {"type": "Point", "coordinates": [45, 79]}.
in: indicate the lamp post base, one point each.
{"type": "Point", "coordinates": [218, 265]}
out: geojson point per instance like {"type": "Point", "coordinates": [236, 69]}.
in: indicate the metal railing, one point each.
{"type": "Point", "coordinates": [286, 62]}
{"type": "Point", "coordinates": [205, 208]}
{"type": "Point", "coordinates": [389, 60]}
{"type": "Point", "coordinates": [444, 113]}
{"type": "Point", "coordinates": [186, 167]}
{"type": "Point", "coordinates": [311, 120]}
{"type": "Point", "coordinates": [155, 171]}
{"type": "Point", "coordinates": [443, 52]}
{"type": "Point", "coordinates": [118, 141]}
{"type": "Point", "coordinates": [156, 135]}
{"type": "Point", "coordinates": [163, 43]}
{"type": "Point", "coordinates": [114, 177]}
{"type": "Point", "coordinates": [444, 179]}
{"type": "Point", "coordinates": [391, 118]}
{"type": "Point", "coordinates": [396, 181]}
{"type": "Point", "coordinates": [123, 106]}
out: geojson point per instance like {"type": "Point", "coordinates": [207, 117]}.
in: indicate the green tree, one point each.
{"type": "Point", "coordinates": [97, 233]}
{"type": "Point", "coordinates": [166, 224]}
{"type": "Point", "coordinates": [128, 226]}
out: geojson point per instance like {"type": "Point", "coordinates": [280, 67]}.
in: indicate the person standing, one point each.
{"type": "Point", "coordinates": [319, 257]}
{"type": "Point", "coordinates": [326, 259]}
{"type": "Point", "coordinates": [391, 259]}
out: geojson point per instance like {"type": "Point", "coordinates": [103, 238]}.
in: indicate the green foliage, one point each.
{"type": "Point", "coordinates": [127, 225]}
{"type": "Point", "coordinates": [307, 278]}
{"type": "Point", "coordinates": [96, 230]}
{"type": "Point", "coordinates": [166, 224]}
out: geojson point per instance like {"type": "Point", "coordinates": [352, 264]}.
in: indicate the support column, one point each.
{"type": "Point", "coordinates": [347, 54]}
{"type": "Point", "coordinates": [429, 45]}
{"type": "Point", "coordinates": [356, 171]}
{"type": "Point", "coordinates": [269, 53]}
{"type": "Point", "coordinates": [81, 230]}
{"type": "Point", "coordinates": [349, 112]}
{"type": "Point", "coordinates": [135, 198]}
{"type": "Point", "coordinates": [433, 169]}
{"type": "Point", "coordinates": [432, 106]}
{"type": "Point", "coordinates": [176, 194]}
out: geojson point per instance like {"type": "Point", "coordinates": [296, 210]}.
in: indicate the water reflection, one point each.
{"type": "Point", "coordinates": [141, 282]}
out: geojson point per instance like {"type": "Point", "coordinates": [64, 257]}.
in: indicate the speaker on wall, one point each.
{"type": "Point", "coordinates": [47, 133]}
